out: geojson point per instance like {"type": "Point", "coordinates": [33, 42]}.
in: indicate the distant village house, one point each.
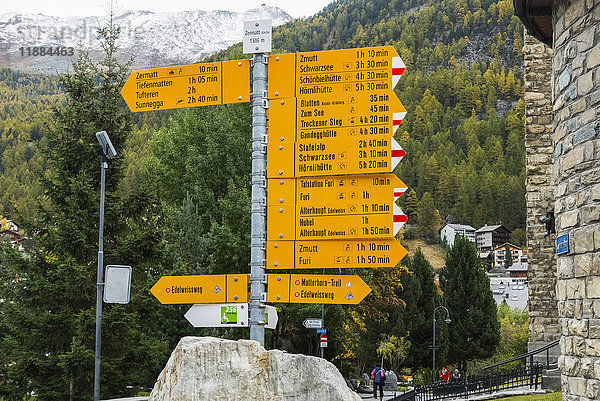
{"type": "Point", "coordinates": [451, 231]}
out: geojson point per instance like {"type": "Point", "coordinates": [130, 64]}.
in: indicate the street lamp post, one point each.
{"type": "Point", "coordinates": [108, 151]}
{"type": "Point", "coordinates": [434, 347]}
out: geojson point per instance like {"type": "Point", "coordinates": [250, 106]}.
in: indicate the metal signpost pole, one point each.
{"type": "Point", "coordinates": [323, 319]}
{"type": "Point", "coordinates": [433, 373]}
{"type": "Point", "coordinates": [259, 199]}
{"type": "Point", "coordinates": [99, 282]}
{"type": "Point", "coordinates": [108, 151]}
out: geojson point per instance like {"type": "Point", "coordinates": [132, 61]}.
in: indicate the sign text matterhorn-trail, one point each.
{"type": "Point", "coordinates": [331, 190]}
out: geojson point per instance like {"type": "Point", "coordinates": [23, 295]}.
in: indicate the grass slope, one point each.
{"type": "Point", "coordinates": [537, 397]}
{"type": "Point", "coordinates": [435, 254]}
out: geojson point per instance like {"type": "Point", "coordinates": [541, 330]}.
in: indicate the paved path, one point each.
{"type": "Point", "coordinates": [388, 395]}
{"type": "Point", "coordinates": [500, 394]}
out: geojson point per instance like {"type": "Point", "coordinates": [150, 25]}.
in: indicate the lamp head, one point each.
{"type": "Point", "coordinates": [106, 145]}
{"type": "Point", "coordinates": [448, 321]}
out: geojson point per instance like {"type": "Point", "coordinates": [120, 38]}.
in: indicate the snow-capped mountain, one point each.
{"type": "Point", "coordinates": [152, 39]}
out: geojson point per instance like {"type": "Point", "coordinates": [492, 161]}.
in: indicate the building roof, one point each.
{"type": "Point", "coordinates": [460, 227]}
{"type": "Point", "coordinates": [502, 246]}
{"type": "Point", "coordinates": [518, 267]}
{"type": "Point", "coordinates": [514, 292]}
{"type": "Point", "coordinates": [487, 228]}
{"type": "Point", "coordinates": [536, 15]}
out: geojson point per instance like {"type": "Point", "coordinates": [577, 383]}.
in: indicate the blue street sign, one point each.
{"type": "Point", "coordinates": [562, 244]}
{"type": "Point", "coordinates": [321, 331]}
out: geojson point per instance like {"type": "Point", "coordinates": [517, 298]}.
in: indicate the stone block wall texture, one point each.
{"type": "Point", "coordinates": [541, 274]}
{"type": "Point", "coordinates": [576, 87]}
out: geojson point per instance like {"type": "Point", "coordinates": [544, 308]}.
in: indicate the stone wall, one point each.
{"type": "Point", "coordinates": [576, 86]}
{"type": "Point", "coordinates": [541, 275]}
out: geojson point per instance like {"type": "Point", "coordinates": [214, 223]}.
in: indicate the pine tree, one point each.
{"type": "Point", "coordinates": [421, 296]}
{"type": "Point", "coordinates": [411, 205]}
{"type": "Point", "coordinates": [474, 331]}
{"type": "Point", "coordinates": [429, 218]}
{"type": "Point", "coordinates": [508, 260]}
{"type": "Point", "coordinates": [50, 312]}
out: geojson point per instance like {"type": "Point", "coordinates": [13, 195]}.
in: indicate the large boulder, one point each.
{"type": "Point", "coordinates": [391, 381]}
{"type": "Point", "coordinates": [207, 368]}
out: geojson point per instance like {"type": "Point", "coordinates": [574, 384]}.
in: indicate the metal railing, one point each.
{"type": "Point", "coordinates": [529, 355]}
{"type": "Point", "coordinates": [528, 376]}
{"type": "Point", "coordinates": [497, 380]}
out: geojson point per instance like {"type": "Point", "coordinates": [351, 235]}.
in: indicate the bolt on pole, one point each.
{"type": "Point", "coordinates": [259, 186]}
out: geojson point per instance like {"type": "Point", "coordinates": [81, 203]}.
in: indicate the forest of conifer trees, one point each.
{"type": "Point", "coordinates": [181, 188]}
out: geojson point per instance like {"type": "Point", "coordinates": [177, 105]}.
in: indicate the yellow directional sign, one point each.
{"type": "Point", "coordinates": [334, 207]}
{"type": "Point", "coordinates": [334, 72]}
{"type": "Point", "coordinates": [334, 254]}
{"type": "Point", "coordinates": [363, 192]}
{"type": "Point", "coordinates": [206, 289]}
{"type": "Point", "coordinates": [188, 86]}
{"type": "Point", "coordinates": [283, 224]}
{"type": "Point", "coordinates": [348, 156]}
{"type": "Point", "coordinates": [381, 109]}
{"type": "Point", "coordinates": [336, 117]}
{"type": "Point", "coordinates": [316, 288]}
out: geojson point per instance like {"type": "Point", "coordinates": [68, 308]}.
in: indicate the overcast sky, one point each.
{"type": "Point", "coordinates": [296, 8]}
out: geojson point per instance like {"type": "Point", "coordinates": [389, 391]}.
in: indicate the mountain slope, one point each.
{"type": "Point", "coordinates": [152, 39]}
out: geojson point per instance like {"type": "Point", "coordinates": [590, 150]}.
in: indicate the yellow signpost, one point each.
{"type": "Point", "coordinates": [285, 225]}
{"type": "Point", "coordinates": [364, 192]}
{"type": "Point", "coordinates": [334, 72]}
{"type": "Point", "coordinates": [373, 109]}
{"type": "Point", "coordinates": [350, 156]}
{"type": "Point", "coordinates": [316, 289]}
{"type": "Point", "coordinates": [188, 86]}
{"type": "Point", "coordinates": [336, 117]}
{"type": "Point", "coordinates": [206, 289]}
{"type": "Point", "coordinates": [330, 204]}
{"type": "Point", "coordinates": [333, 254]}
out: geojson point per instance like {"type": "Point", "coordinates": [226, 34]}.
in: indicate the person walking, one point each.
{"type": "Point", "coordinates": [445, 375]}
{"type": "Point", "coordinates": [456, 375]}
{"type": "Point", "coordinates": [378, 377]}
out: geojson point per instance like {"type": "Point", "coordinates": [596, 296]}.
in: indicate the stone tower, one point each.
{"type": "Point", "coordinates": [541, 275]}
{"type": "Point", "coordinates": [573, 29]}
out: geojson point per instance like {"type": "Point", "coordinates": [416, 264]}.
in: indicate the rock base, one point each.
{"type": "Point", "coordinates": [207, 368]}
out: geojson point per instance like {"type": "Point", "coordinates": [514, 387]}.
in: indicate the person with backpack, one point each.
{"type": "Point", "coordinates": [378, 377]}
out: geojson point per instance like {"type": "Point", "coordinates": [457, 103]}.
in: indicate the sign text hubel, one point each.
{"type": "Point", "coordinates": [283, 224]}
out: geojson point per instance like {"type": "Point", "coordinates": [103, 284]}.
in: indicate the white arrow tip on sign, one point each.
{"type": "Point", "coordinates": [398, 68]}
{"type": "Point", "coordinates": [397, 153]}
{"type": "Point", "coordinates": [399, 219]}
{"type": "Point", "coordinates": [398, 192]}
{"type": "Point", "coordinates": [397, 119]}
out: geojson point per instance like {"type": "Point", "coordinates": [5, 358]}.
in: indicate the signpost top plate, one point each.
{"type": "Point", "coordinates": [257, 36]}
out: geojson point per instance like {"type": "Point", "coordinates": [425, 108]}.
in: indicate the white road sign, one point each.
{"type": "Point", "coordinates": [313, 323]}
{"type": "Point", "coordinates": [226, 315]}
{"type": "Point", "coordinates": [117, 285]}
{"type": "Point", "coordinates": [257, 36]}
